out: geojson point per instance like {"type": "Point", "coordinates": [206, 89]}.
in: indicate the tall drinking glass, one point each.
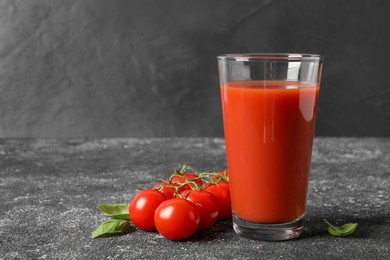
{"type": "Point", "coordinates": [269, 104]}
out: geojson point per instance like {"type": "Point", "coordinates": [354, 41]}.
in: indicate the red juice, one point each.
{"type": "Point", "coordinates": [269, 128]}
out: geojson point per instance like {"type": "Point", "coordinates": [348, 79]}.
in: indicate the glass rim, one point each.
{"type": "Point", "coordinates": [271, 57]}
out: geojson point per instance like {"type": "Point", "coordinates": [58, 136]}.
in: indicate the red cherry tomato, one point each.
{"type": "Point", "coordinates": [221, 176]}
{"type": "Point", "coordinates": [167, 189]}
{"type": "Point", "coordinates": [207, 205]}
{"type": "Point", "coordinates": [222, 192]}
{"type": "Point", "coordinates": [181, 179]}
{"type": "Point", "coordinates": [142, 208]}
{"type": "Point", "coordinates": [176, 219]}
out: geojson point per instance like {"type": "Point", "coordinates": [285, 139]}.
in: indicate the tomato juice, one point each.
{"type": "Point", "coordinates": [269, 128]}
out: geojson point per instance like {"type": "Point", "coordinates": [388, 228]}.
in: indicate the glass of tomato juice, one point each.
{"type": "Point", "coordinates": [269, 104]}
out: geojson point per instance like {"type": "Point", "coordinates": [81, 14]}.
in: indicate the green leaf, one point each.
{"type": "Point", "coordinates": [118, 211]}
{"type": "Point", "coordinates": [112, 227]}
{"type": "Point", "coordinates": [341, 231]}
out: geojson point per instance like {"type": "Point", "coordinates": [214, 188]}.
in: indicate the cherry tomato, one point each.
{"type": "Point", "coordinates": [221, 176]}
{"type": "Point", "coordinates": [181, 179]}
{"type": "Point", "coordinates": [207, 205]}
{"type": "Point", "coordinates": [224, 173]}
{"type": "Point", "coordinates": [222, 192]}
{"type": "Point", "coordinates": [142, 208]}
{"type": "Point", "coordinates": [167, 189]}
{"type": "Point", "coordinates": [176, 219]}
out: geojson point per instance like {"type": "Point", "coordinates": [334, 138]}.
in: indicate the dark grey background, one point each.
{"type": "Point", "coordinates": [148, 68]}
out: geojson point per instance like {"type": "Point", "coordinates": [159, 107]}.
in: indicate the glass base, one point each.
{"type": "Point", "coordinates": [268, 232]}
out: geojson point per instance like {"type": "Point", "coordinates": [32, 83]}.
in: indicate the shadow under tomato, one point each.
{"type": "Point", "coordinates": [221, 229]}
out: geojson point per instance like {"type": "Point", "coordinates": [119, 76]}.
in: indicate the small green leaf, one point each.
{"type": "Point", "coordinates": [112, 227]}
{"type": "Point", "coordinates": [341, 231]}
{"type": "Point", "coordinates": [118, 211]}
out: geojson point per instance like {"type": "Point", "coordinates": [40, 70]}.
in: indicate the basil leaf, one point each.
{"type": "Point", "coordinates": [118, 211]}
{"type": "Point", "coordinates": [341, 231]}
{"type": "Point", "coordinates": [112, 227]}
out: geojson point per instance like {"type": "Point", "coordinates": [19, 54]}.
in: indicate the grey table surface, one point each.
{"type": "Point", "coordinates": [50, 188]}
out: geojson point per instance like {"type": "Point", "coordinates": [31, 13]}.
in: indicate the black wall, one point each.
{"type": "Point", "coordinates": [148, 67]}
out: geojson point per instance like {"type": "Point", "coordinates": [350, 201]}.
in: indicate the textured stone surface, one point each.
{"type": "Point", "coordinates": [49, 190]}
{"type": "Point", "coordinates": [148, 68]}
